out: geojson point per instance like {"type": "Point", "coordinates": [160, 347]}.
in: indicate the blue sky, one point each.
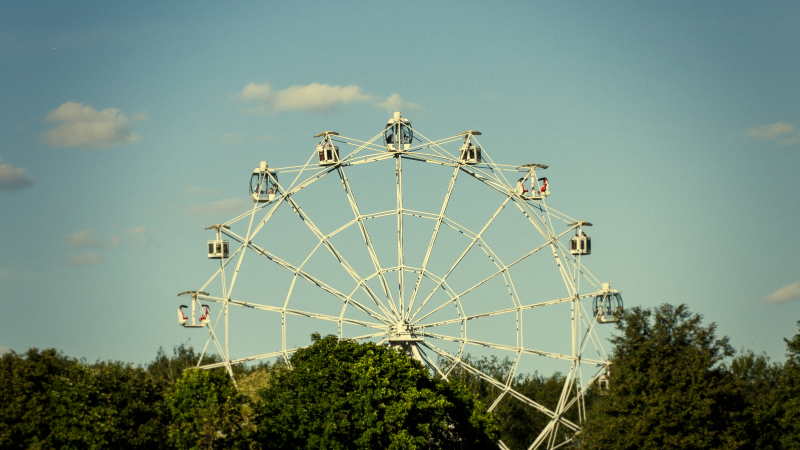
{"type": "Point", "coordinates": [125, 129]}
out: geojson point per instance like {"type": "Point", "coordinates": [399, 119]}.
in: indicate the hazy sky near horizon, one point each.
{"type": "Point", "coordinates": [126, 128]}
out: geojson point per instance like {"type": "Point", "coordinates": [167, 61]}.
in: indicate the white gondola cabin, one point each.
{"type": "Point", "coordinates": [540, 188]}
{"type": "Point", "coordinates": [469, 153]}
{"type": "Point", "coordinates": [217, 249]}
{"type": "Point", "coordinates": [263, 184]}
{"type": "Point", "coordinates": [602, 383]}
{"type": "Point", "coordinates": [398, 134]}
{"type": "Point", "coordinates": [607, 304]}
{"type": "Point", "coordinates": [327, 153]}
{"type": "Point", "coordinates": [205, 317]}
{"type": "Point", "coordinates": [580, 244]}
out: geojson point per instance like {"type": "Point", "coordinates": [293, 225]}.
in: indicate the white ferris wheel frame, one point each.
{"type": "Point", "coordinates": [396, 322]}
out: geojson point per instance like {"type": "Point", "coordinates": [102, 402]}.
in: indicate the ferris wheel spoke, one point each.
{"type": "Point", "coordinates": [511, 348]}
{"type": "Point", "coordinates": [460, 258]}
{"type": "Point", "coordinates": [251, 358]}
{"type": "Point", "coordinates": [491, 161]}
{"type": "Point", "coordinates": [368, 242]}
{"type": "Point", "coordinates": [432, 240]}
{"type": "Point", "coordinates": [400, 259]}
{"type": "Point", "coordinates": [492, 313]}
{"type": "Point", "coordinates": [503, 269]}
{"type": "Point", "coordinates": [431, 144]}
{"type": "Point", "coordinates": [336, 254]}
{"type": "Point", "coordinates": [317, 282]}
{"type": "Point", "coordinates": [498, 384]}
{"type": "Point", "coordinates": [295, 312]}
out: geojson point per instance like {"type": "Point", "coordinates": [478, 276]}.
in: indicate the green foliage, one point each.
{"type": "Point", "coordinates": [518, 424]}
{"type": "Point", "coordinates": [206, 412]}
{"type": "Point", "coordinates": [168, 369]}
{"type": "Point", "coordinates": [758, 380]}
{"type": "Point", "coordinates": [786, 398]}
{"type": "Point", "coordinates": [667, 389]}
{"type": "Point", "coordinates": [345, 395]}
{"type": "Point", "coordinates": [50, 401]}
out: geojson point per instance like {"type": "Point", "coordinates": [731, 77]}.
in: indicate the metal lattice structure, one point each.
{"type": "Point", "coordinates": [415, 302]}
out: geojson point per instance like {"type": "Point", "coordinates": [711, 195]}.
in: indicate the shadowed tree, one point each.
{"type": "Point", "coordinates": [206, 412]}
{"type": "Point", "coordinates": [667, 387]}
{"type": "Point", "coordinates": [345, 395]}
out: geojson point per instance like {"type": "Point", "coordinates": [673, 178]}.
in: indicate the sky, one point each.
{"type": "Point", "coordinates": [127, 128]}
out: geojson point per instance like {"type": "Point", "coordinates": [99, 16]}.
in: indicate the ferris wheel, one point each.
{"type": "Point", "coordinates": [425, 245]}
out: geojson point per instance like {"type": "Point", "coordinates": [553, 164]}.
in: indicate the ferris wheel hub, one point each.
{"type": "Point", "coordinates": [402, 331]}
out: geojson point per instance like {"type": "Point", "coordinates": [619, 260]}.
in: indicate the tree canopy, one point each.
{"type": "Point", "coordinates": [668, 389]}
{"type": "Point", "coordinates": [345, 395]}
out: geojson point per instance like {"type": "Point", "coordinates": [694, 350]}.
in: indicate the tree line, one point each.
{"type": "Point", "coordinates": [673, 384]}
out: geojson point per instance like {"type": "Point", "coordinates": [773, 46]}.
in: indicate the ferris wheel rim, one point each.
{"type": "Point", "coordinates": [487, 173]}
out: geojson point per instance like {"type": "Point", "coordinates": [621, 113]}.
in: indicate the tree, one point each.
{"type": "Point", "coordinates": [26, 403]}
{"type": "Point", "coordinates": [667, 387]}
{"type": "Point", "coordinates": [758, 380]}
{"type": "Point", "coordinates": [345, 395]}
{"type": "Point", "coordinates": [786, 398]}
{"type": "Point", "coordinates": [168, 369]}
{"type": "Point", "coordinates": [206, 411]}
{"type": "Point", "coordinates": [50, 401]}
{"type": "Point", "coordinates": [518, 424]}
{"type": "Point", "coordinates": [108, 405]}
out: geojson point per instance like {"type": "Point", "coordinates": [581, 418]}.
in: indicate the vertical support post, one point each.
{"type": "Point", "coordinates": [400, 260]}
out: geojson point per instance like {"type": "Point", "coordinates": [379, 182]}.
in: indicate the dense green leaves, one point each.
{"type": "Point", "coordinates": [672, 386]}
{"type": "Point", "coordinates": [667, 389]}
{"type": "Point", "coordinates": [786, 398]}
{"type": "Point", "coordinates": [345, 395]}
{"type": "Point", "coordinates": [50, 401]}
{"type": "Point", "coordinates": [518, 424]}
{"type": "Point", "coordinates": [206, 412]}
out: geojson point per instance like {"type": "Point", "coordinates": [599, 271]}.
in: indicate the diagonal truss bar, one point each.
{"type": "Point", "coordinates": [510, 348]}
{"type": "Point", "coordinates": [460, 258]}
{"type": "Point", "coordinates": [500, 385]}
{"type": "Point", "coordinates": [317, 282]}
{"type": "Point", "coordinates": [432, 241]}
{"type": "Point", "coordinates": [296, 312]}
{"type": "Point", "coordinates": [367, 241]}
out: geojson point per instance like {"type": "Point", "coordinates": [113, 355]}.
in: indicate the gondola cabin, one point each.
{"type": "Point", "coordinates": [327, 153]}
{"type": "Point", "coordinates": [469, 153]}
{"type": "Point", "coordinates": [602, 383]}
{"type": "Point", "coordinates": [539, 190]}
{"type": "Point", "coordinates": [606, 304]}
{"type": "Point", "coordinates": [398, 134]}
{"type": "Point", "coordinates": [217, 249]}
{"type": "Point", "coordinates": [205, 317]}
{"type": "Point", "coordinates": [580, 244]}
{"type": "Point", "coordinates": [263, 184]}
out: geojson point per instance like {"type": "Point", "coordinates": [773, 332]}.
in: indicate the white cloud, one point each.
{"type": "Point", "coordinates": [396, 103]}
{"type": "Point", "coordinates": [314, 97]}
{"type": "Point", "coordinates": [794, 140]}
{"type": "Point", "coordinates": [140, 236]}
{"type": "Point", "coordinates": [137, 230]}
{"type": "Point", "coordinates": [192, 190]}
{"type": "Point", "coordinates": [230, 206]}
{"type": "Point", "coordinates": [80, 125]}
{"type": "Point", "coordinates": [784, 294]}
{"type": "Point", "coordinates": [771, 131]}
{"type": "Point", "coordinates": [83, 238]}
{"type": "Point", "coordinates": [16, 275]}
{"type": "Point", "coordinates": [781, 133]}
{"type": "Point", "coordinates": [4, 350]}
{"type": "Point", "coordinates": [233, 139]}
{"type": "Point", "coordinates": [13, 178]}
{"type": "Point", "coordinates": [88, 258]}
